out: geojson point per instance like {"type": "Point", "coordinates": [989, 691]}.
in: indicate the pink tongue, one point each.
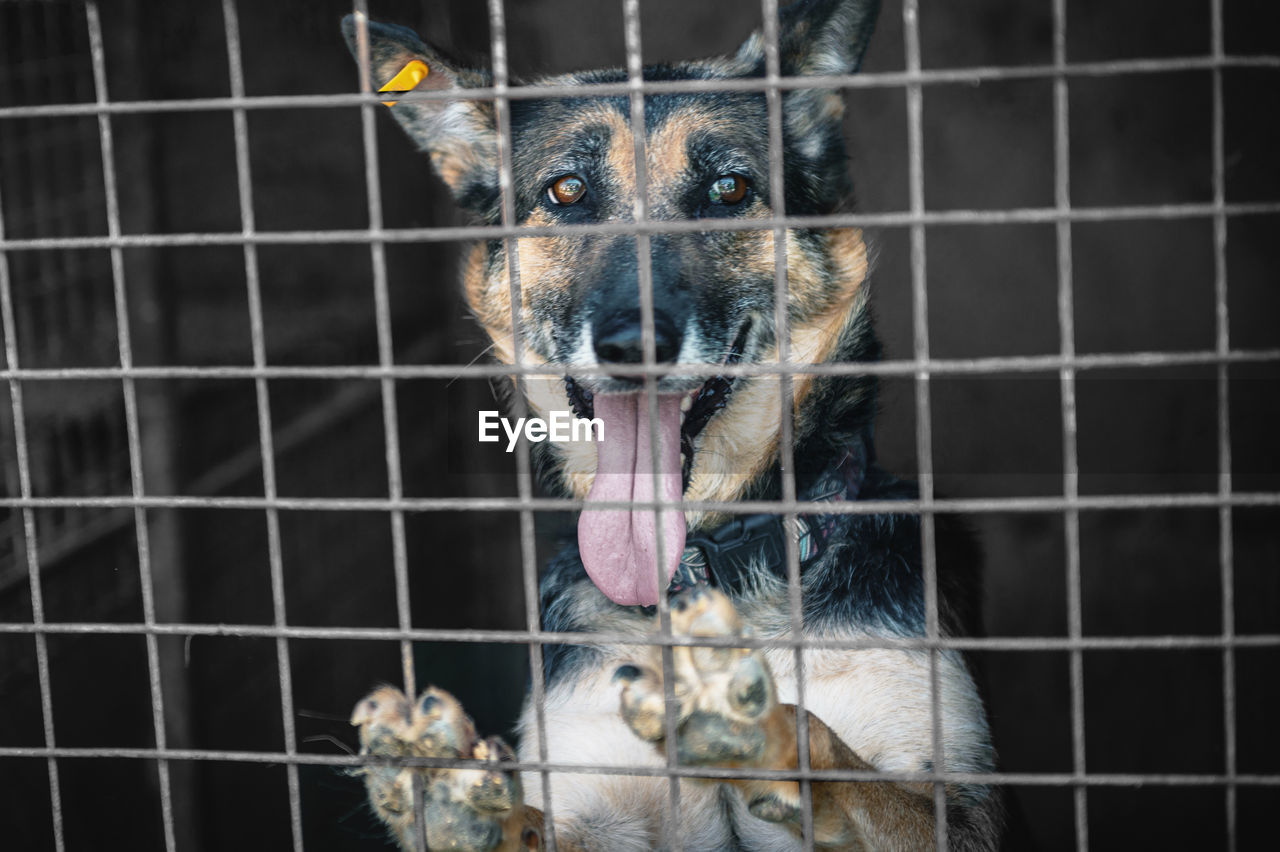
{"type": "Point", "coordinates": [619, 547]}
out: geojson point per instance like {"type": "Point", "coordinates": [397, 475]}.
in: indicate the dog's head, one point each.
{"type": "Point", "coordinates": [706, 155]}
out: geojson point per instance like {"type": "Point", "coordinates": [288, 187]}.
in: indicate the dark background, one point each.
{"type": "Point", "coordinates": [1140, 285]}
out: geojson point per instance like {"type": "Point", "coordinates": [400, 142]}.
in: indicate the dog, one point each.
{"type": "Point", "coordinates": [714, 438]}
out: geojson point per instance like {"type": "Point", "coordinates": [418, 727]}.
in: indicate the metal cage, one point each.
{"type": "Point", "coordinates": [88, 429]}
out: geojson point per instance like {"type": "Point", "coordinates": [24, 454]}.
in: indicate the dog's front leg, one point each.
{"type": "Point", "coordinates": [848, 815]}
{"type": "Point", "coordinates": [729, 716]}
{"type": "Point", "coordinates": [462, 810]}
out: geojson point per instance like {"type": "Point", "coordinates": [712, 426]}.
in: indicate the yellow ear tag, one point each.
{"type": "Point", "coordinates": [408, 78]}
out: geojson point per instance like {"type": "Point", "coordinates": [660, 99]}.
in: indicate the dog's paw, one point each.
{"type": "Point", "coordinates": [462, 809]}
{"type": "Point", "coordinates": [724, 694]}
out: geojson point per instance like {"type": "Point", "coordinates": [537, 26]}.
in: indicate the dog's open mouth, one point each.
{"type": "Point", "coordinates": [619, 547]}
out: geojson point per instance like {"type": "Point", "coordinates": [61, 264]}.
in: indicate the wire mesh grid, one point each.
{"type": "Point", "coordinates": [24, 503]}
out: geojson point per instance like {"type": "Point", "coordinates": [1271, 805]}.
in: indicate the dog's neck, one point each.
{"type": "Point", "coordinates": [728, 555]}
{"type": "Point", "coordinates": [833, 416]}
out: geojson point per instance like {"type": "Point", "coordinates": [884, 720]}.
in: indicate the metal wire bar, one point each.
{"type": "Point", "coordinates": [1048, 779]}
{"type": "Point", "coordinates": [30, 542]}
{"type": "Point", "coordinates": [644, 269]}
{"type": "Point", "coordinates": [900, 367]}
{"type": "Point", "coordinates": [870, 80]}
{"type": "Point", "coordinates": [1067, 380]}
{"type": "Point", "coordinates": [924, 416]}
{"type": "Point", "coordinates": [986, 505]}
{"type": "Point", "coordinates": [469, 635]}
{"type": "Point", "coordinates": [524, 470]}
{"type": "Point", "coordinates": [386, 354]}
{"type": "Point", "coordinates": [132, 428]}
{"type": "Point", "coordinates": [386, 357]}
{"type": "Point", "coordinates": [786, 422]}
{"type": "Point", "coordinates": [896, 219]}
{"type": "Point", "coordinates": [266, 433]}
{"type": "Point", "coordinates": [1222, 339]}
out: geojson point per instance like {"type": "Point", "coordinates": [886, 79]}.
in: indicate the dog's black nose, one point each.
{"type": "Point", "coordinates": [620, 340]}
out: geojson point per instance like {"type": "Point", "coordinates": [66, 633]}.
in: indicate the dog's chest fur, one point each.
{"type": "Point", "coordinates": [875, 699]}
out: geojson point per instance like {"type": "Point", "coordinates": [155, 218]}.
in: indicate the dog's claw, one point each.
{"type": "Point", "coordinates": [462, 809]}
{"type": "Point", "coordinates": [723, 693]}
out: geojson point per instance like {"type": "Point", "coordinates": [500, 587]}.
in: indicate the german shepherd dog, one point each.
{"type": "Point", "coordinates": [715, 438]}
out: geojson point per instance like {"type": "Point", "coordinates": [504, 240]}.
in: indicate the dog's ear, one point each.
{"type": "Point", "coordinates": [816, 37]}
{"type": "Point", "coordinates": [825, 36]}
{"type": "Point", "coordinates": [460, 135]}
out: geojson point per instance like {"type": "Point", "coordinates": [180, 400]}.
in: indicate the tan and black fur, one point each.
{"type": "Point", "coordinates": [713, 293]}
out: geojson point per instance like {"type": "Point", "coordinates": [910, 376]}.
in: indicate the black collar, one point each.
{"type": "Point", "coordinates": [722, 556]}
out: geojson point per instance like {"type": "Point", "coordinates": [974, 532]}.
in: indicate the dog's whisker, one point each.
{"type": "Point", "coordinates": [332, 740]}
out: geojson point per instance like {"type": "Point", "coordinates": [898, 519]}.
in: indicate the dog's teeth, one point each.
{"type": "Point", "coordinates": [686, 404]}
{"type": "Point", "coordinates": [682, 460]}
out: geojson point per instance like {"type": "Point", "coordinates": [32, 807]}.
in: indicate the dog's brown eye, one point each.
{"type": "Point", "coordinates": [567, 190]}
{"type": "Point", "coordinates": [728, 189]}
